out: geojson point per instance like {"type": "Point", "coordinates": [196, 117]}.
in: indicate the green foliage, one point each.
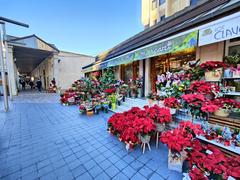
{"type": "Point", "coordinates": [107, 79]}
{"type": "Point", "coordinates": [233, 60]}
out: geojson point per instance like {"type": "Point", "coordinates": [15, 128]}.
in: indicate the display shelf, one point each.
{"type": "Point", "coordinates": [233, 149]}
{"type": "Point", "coordinates": [232, 94]}
{"type": "Point", "coordinates": [231, 78]}
{"type": "Point", "coordinates": [225, 121]}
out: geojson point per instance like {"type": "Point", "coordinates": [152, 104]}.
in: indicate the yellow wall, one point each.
{"type": "Point", "coordinates": [169, 8]}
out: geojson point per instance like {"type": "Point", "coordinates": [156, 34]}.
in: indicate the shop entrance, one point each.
{"type": "Point", "coordinates": [168, 62]}
{"type": "Point", "coordinates": [129, 71]}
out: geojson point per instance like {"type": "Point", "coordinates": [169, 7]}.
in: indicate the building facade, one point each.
{"type": "Point", "coordinates": [205, 30]}
{"type": "Point", "coordinates": [155, 11]}
{"type": "Point", "coordinates": [34, 58]}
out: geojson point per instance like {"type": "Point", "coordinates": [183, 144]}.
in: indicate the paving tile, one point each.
{"type": "Point", "coordinates": [129, 171]}
{"type": "Point", "coordinates": [138, 176]}
{"type": "Point", "coordinates": [112, 171]}
{"type": "Point", "coordinates": [120, 176]}
{"type": "Point", "coordinates": [90, 164]}
{"type": "Point", "coordinates": [95, 171]}
{"type": "Point", "coordinates": [121, 165]}
{"type": "Point", "coordinates": [156, 176]}
{"type": "Point", "coordinates": [136, 165]}
{"type": "Point", "coordinates": [105, 164]}
{"type": "Point", "coordinates": [85, 176]}
{"type": "Point", "coordinates": [145, 171]}
{"type": "Point", "coordinates": [102, 176]}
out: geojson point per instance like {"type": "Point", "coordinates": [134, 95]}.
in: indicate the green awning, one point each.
{"type": "Point", "coordinates": [185, 43]}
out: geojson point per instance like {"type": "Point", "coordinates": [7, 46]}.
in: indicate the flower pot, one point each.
{"type": "Point", "coordinates": [114, 106]}
{"type": "Point", "coordinates": [214, 75]}
{"type": "Point", "coordinates": [150, 102]}
{"type": "Point", "coordinates": [145, 138]}
{"type": "Point", "coordinates": [228, 73]}
{"type": "Point", "coordinates": [160, 127]}
{"type": "Point", "coordinates": [222, 112]}
{"type": "Point", "coordinates": [175, 160]}
{"type": "Point", "coordinates": [173, 110]}
{"type": "Point", "coordinates": [90, 113]}
{"type": "Point", "coordinates": [161, 103]}
{"type": "Point", "coordinates": [124, 99]}
{"type": "Point", "coordinates": [139, 92]}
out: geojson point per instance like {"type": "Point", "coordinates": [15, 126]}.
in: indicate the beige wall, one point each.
{"type": "Point", "coordinates": [211, 52]}
{"type": "Point", "coordinates": [152, 15]}
{"type": "Point", "coordinates": [68, 68]}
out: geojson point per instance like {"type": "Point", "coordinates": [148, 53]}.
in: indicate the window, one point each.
{"type": "Point", "coordinates": [162, 18]}
{"type": "Point", "coordinates": [193, 2]}
{"type": "Point", "coordinates": [154, 4]}
{"type": "Point", "coordinates": [161, 2]}
{"type": "Point", "coordinates": [234, 50]}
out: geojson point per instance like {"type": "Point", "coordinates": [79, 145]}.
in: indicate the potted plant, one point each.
{"type": "Point", "coordinates": [113, 100]}
{"type": "Point", "coordinates": [172, 103]}
{"type": "Point", "coordinates": [213, 70]}
{"type": "Point", "coordinates": [227, 136]}
{"type": "Point", "coordinates": [225, 106]}
{"type": "Point", "coordinates": [82, 108]}
{"type": "Point", "coordinates": [160, 116]}
{"type": "Point", "coordinates": [232, 61]}
{"type": "Point", "coordinates": [145, 127]}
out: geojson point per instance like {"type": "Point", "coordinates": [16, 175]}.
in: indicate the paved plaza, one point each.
{"type": "Point", "coordinates": [41, 139]}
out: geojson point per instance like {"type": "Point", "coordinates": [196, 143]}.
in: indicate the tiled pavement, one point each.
{"type": "Point", "coordinates": [40, 139]}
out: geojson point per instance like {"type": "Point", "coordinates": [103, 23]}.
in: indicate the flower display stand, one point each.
{"type": "Point", "coordinates": [145, 140]}
{"type": "Point", "coordinates": [159, 129]}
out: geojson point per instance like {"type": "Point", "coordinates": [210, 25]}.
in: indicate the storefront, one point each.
{"type": "Point", "coordinates": [208, 36]}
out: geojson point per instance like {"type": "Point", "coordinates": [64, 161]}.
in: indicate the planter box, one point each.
{"type": "Point", "coordinates": [175, 163]}
{"type": "Point", "coordinates": [214, 75]}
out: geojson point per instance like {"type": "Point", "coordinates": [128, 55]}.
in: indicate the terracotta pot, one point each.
{"type": "Point", "coordinates": [222, 112]}
{"type": "Point", "coordinates": [90, 113]}
{"type": "Point", "coordinates": [214, 75]}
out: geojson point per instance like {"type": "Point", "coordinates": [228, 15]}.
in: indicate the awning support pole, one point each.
{"type": "Point", "coordinates": [6, 105]}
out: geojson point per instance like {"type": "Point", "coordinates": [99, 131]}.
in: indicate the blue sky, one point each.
{"type": "Point", "coordinates": [82, 26]}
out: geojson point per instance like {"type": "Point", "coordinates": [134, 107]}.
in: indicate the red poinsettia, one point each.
{"type": "Point", "coordinates": [225, 103]}
{"type": "Point", "coordinates": [158, 114]}
{"type": "Point", "coordinates": [110, 90]}
{"type": "Point", "coordinates": [212, 65]}
{"type": "Point", "coordinates": [209, 107]}
{"type": "Point", "coordinates": [144, 126]}
{"type": "Point", "coordinates": [203, 87]}
{"type": "Point", "coordinates": [172, 102]}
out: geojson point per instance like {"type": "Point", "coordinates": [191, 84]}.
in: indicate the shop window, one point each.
{"type": "Point", "coordinates": [161, 2]}
{"type": "Point", "coordinates": [162, 17]}
{"type": "Point", "coordinates": [233, 50]}
{"type": "Point", "coordinates": [154, 4]}
{"type": "Point", "coordinates": [193, 2]}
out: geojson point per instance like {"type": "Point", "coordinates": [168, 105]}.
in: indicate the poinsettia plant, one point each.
{"type": "Point", "coordinates": [144, 126]}
{"type": "Point", "coordinates": [225, 103]}
{"type": "Point", "coordinates": [212, 65]}
{"type": "Point", "coordinates": [172, 102]}
{"type": "Point", "coordinates": [203, 87]}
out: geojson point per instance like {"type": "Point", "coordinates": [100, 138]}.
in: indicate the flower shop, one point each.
{"type": "Point", "coordinates": [100, 92]}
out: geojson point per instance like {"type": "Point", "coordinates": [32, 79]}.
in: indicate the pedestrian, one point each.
{"type": "Point", "coordinates": [53, 82]}
{"type": "Point", "coordinates": [23, 85]}
{"type": "Point", "coordinates": [31, 84]}
{"type": "Point", "coordinates": [39, 85]}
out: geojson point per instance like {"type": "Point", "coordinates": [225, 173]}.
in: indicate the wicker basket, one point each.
{"type": "Point", "coordinates": [222, 112]}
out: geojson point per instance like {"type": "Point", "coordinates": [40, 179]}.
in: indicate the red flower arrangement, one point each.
{"type": "Point", "coordinates": [110, 90]}
{"type": "Point", "coordinates": [209, 107]}
{"type": "Point", "coordinates": [212, 65]}
{"type": "Point", "coordinates": [158, 114]}
{"type": "Point", "coordinates": [181, 137]}
{"type": "Point", "coordinates": [172, 102]}
{"type": "Point", "coordinates": [206, 161]}
{"type": "Point", "coordinates": [144, 126]}
{"type": "Point", "coordinates": [225, 103]}
{"type": "Point", "coordinates": [203, 87]}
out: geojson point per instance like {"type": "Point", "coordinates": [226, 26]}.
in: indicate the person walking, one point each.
{"type": "Point", "coordinates": [31, 84]}
{"type": "Point", "coordinates": [39, 85]}
{"type": "Point", "coordinates": [23, 85]}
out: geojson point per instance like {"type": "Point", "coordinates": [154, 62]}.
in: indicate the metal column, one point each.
{"type": "Point", "coordinates": [6, 105]}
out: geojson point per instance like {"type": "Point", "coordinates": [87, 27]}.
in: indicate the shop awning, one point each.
{"type": "Point", "coordinates": [184, 42]}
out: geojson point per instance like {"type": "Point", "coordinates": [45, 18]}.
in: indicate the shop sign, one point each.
{"type": "Point", "coordinates": [180, 43]}
{"type": "Point", "coordinates": [224, 30]}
